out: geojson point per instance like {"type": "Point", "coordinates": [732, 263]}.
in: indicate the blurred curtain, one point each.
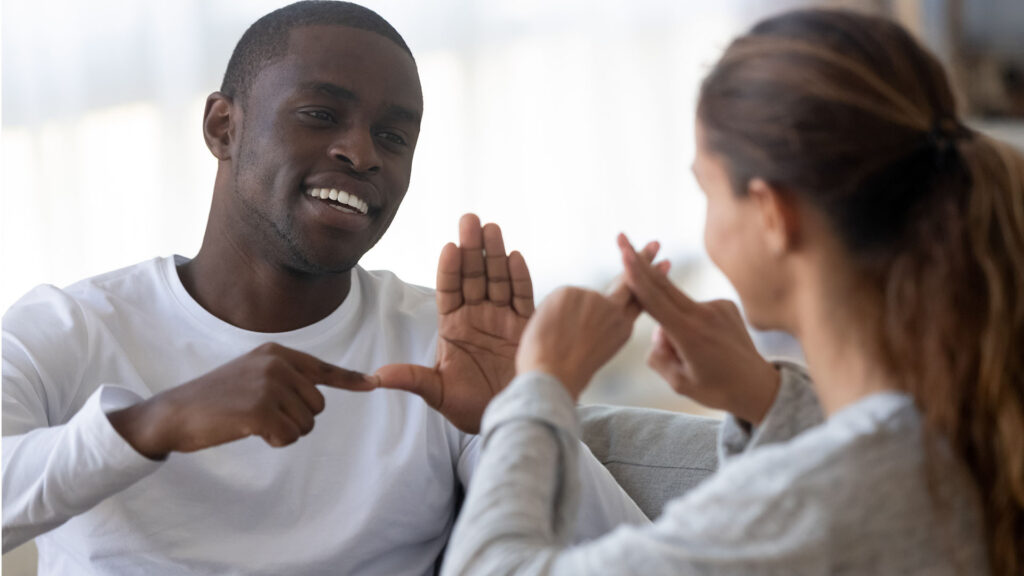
{"type": "Point", "coordinates": [566, 121]}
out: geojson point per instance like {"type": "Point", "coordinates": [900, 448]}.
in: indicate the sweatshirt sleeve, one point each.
{"type": "Point", "coordinates": [523, 501]}
{"type": "Point", "coordinates": [517, 516]}
{"type": "Point", "coordinates": [796, 408]}
{"type": "Point", "coordinates": [602, 503]}
{"type": "Point", "coordinates": [56, 466]}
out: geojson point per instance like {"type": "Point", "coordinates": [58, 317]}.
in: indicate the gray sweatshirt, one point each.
{"type": "Point", "coordinates": [846, 496]}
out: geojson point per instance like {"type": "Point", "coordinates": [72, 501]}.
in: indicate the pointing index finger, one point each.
{"type": "Point", "coordinates": [343, 379]}
{"type": "Point", "coordinates": [619, 293]}
{"type": "Point", "coordinates": [317, 371]}
{"type": "Point", "coordinates": [658, 296]}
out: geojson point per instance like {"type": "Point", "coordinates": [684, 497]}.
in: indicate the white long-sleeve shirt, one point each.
{"type": "Point", "coordinates": [371, 490]}
{"type": "Point", "coordinates": [846, 497]}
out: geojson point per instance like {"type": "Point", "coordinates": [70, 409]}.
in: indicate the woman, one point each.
{"type": "Point", "coordinates": [849, 206]}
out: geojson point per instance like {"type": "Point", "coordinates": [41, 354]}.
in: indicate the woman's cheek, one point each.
{"type": "Point", "coordinates": [715, 239]}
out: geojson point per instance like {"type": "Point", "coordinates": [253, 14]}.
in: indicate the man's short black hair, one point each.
{"type": "Point", "coordinates": [267, 39]}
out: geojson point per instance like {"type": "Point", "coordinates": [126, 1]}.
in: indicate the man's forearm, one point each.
{"type": "Point", "coordinates": [51, 474]}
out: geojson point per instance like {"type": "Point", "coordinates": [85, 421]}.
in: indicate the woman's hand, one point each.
{"type": "Point", "coordinates": [702, 349]}
{"type": "Point", "coordinates": [572, 334]}
{"type": "Point", "coordinates": [576, 331]}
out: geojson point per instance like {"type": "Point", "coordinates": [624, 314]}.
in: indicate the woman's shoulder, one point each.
{"type": "Point", "coordinates": [823, 469]}
{"type": "Point", "coordinates": [882, 429]}
{"type": "Point", "coordinates": [853, 487]}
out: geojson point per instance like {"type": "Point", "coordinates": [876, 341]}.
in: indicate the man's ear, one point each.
{"type": "Point", "coordinates": [780, 216]}
{"type": "Point", "coordinates": [219, 120]}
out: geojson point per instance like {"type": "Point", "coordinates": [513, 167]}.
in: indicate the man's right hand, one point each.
{"type": "Point", "coordinates": [269, 392]}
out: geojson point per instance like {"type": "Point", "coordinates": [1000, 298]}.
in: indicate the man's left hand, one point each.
{"type": "Point", "coordinates": [484, 298]}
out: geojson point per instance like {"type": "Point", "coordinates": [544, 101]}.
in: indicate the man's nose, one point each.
{"type": "Point", "coordinates": [356, 148]}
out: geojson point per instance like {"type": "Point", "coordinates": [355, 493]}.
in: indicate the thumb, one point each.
{"type": "Point", "coordinates": [420, 380]}
{"type": "Point", "coordinates": [663, 359]}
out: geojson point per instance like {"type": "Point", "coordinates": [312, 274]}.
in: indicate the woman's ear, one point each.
{"type": "Point", "coordinates": [219, 124]}
{"type": "Point", "coordinates": [780, 216]}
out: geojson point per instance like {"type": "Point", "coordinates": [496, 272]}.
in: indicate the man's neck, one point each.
{"type": "Point", "coordinates": [257, 295]}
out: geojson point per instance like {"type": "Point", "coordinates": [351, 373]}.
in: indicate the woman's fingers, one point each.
{"type": "Point", "coordinates": [663, 359]}
{"type": "Point", "coordinates": [619, 292]}
{"type": "Point", "coordinates": [572, 334]}
{"type": "Point", "coordinates": [652, 289]}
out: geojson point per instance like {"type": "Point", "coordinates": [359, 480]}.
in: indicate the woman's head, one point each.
{"type": "Point", "coordinates": [842, 112]}
{"type": "Point", "coordinates": [847, 120]}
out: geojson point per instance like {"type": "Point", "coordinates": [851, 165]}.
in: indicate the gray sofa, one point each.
{"type": "Point", "coordinates": [654, 455]}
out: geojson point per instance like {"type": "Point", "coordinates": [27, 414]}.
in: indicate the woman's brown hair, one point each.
{"type": "Point", "coordinates": [849, 112]}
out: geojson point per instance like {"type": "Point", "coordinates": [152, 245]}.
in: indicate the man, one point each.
{"type": "Point", "coordinates": [137, 405]}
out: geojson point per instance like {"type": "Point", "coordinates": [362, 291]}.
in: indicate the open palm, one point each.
{"type": "Point", "coordinates": [484, 299]}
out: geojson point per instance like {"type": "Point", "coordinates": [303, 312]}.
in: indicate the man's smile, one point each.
{"type": "Point", "coordinates": [341, 209]}
{"type": "Point", "coordinates": [340, 200]}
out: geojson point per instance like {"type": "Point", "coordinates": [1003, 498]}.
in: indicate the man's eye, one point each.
{"type": "Point", "coordinates": [392, 137]}
{"type": "Point", "coordinates": [319, 115]}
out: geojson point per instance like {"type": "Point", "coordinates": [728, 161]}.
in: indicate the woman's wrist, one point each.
{"type": "Point", "coordinates": [758, 402]}
{"type": "Point", "coordinates": [563, 374]}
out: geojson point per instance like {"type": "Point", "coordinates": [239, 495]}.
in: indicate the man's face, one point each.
{"type": "Point", "coordinates": [339, 116]}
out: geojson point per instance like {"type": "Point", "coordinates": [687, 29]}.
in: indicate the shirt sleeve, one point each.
{"type": "Point", "coordinates": [517, 517]}
{"type": "Point", "coordinates": [796, 408]}
{"type": "Point", "coordinates": [51, 474]}
{"type": "Point", "coordinates": [603, 504]}
{"type": "Point", "coordinates": [56, 467]}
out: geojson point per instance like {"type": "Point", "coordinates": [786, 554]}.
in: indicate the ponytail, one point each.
{"type": "Point", "coordinates": [861, 122]}
{"type": "Point", "coordinates": [991, 436]}
{"type": "Point", "coordinates": [953, 327]}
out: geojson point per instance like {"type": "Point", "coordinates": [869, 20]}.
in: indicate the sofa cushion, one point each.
{"type": "Point", "coordinates": [655, 455]}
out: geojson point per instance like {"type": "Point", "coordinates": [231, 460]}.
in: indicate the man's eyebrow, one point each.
{"type": "Point", "coordinates": [403, 113]}
{"type": "Point", "coordinates": [332, 90]}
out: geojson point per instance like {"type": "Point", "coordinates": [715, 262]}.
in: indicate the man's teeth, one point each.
{"type": "Point", "coordinates": [349, 202]}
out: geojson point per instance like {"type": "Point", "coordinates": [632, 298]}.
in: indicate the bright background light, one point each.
{"type": "Point", "coordinates": [566, 121]}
